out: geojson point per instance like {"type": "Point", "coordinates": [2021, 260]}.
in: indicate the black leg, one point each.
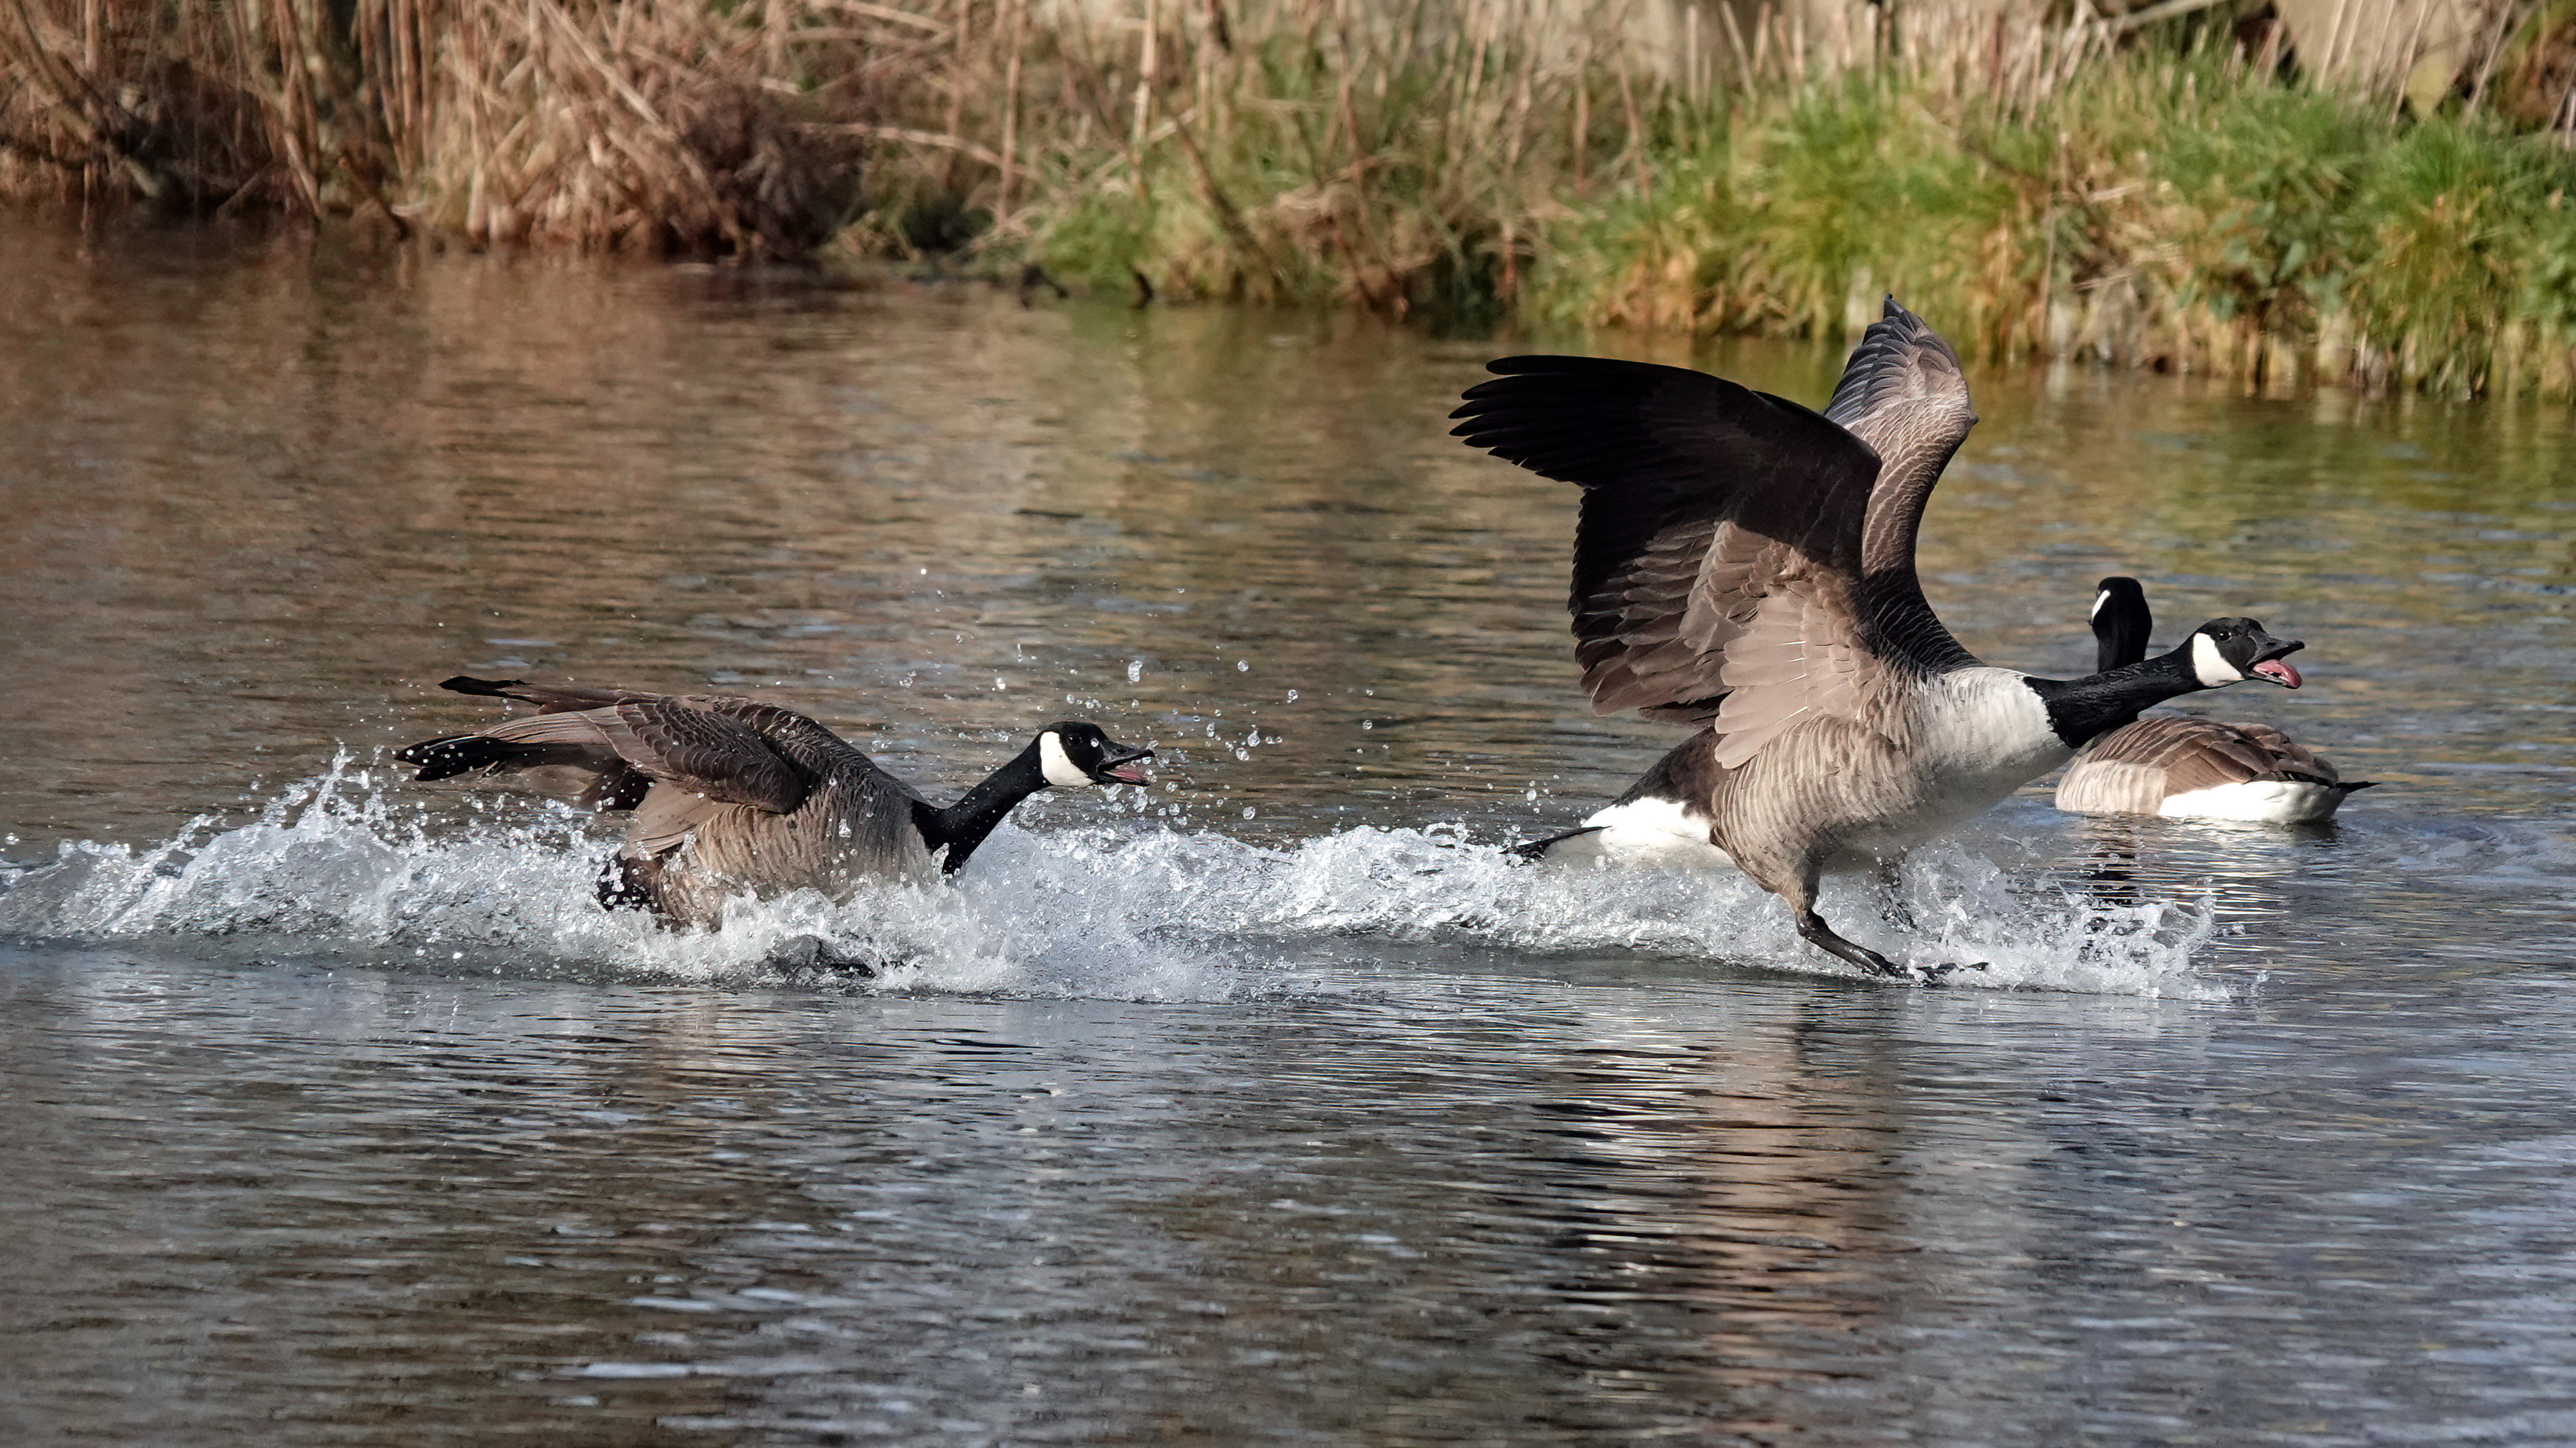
{"type": "Point", "coordinates": [1817, 933]}
{"type": "Point", "coordinates": [1797, 889]}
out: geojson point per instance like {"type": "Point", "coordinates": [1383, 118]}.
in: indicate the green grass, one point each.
{"type": "Point", "coordinates": [2163, 213]}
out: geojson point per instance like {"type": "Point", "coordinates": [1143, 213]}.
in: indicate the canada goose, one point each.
{"type": "Point", "coordinates": [2187, 768]}
{"type": "Point", "coordinates": [733, 795]}
{"type": "Point", "coordinates": [1746, 565]}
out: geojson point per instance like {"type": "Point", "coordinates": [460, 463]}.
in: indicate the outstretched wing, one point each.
{"type": "Point", "coordinates": [549, 698]}
{"type": "Point", "coordinates": [1723, 555]}
{"type": "Point", "coordinates": [713, 747]}
{"type": "Point", "coordinates": [1903, 394]}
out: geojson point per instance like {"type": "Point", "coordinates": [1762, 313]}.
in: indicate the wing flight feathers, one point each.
{"type": "Point", "coordinates": [1702, 500]}
{"type": "Point", "coordinates": [1903, 394]}
{"type": "Point", "coordinates": [675, 740]}
{"type": "Point", "coordinates": [1739, 559]}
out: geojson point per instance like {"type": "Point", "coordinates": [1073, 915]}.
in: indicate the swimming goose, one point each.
{"type": "Point", "coordinates": [1746, 565]}
{"type": "Point", "coordinates": [732, 795]}
{"type": "Point", "coordinates": [2186, 768]}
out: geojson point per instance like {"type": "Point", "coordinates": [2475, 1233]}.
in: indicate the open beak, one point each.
{"type": "Point", "coordinates": [1121, 767]}
{"type": "Point", "coordinates": [2269, 665]}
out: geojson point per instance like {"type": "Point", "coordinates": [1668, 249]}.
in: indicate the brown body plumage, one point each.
{"type": "Point", "coordinates": [2187, 768]}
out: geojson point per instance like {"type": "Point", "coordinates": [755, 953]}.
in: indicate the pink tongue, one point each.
{"type": "Point", "coordinates": [2274, 668]}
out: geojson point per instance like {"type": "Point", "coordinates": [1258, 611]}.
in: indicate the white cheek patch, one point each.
{"type": "Point", "coordinates": [2099, 600]}
{"type": "Point", "coordinates": [2210, 666]}
{"type": "Point", "coordinates": [1058, 766]}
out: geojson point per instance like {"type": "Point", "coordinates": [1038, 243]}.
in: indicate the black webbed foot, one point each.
{"type": "Point", "coordinates": [1816, 932]}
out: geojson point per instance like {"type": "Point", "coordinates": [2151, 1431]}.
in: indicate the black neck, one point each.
{"type": "Point", "coordinates": [2081, 710]}
{"type": "Point", "coordinates": [2121, 627]}
{"type": "Point", "coordinates": [2119, 637]}
{"type": "Point", "coordinates": [963, 825]}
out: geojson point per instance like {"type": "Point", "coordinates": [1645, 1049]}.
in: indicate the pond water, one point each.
{"type": "Point", "coordinates": [1271, 1103]}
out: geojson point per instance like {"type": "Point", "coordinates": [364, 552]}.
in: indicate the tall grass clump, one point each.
{"type": "Point", "coordinates": [2183, 209]}
{"type": "Point", "coordinates": [1399, 156]}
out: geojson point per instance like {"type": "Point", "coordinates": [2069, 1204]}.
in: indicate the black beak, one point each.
{"type": "Point", "coordinates": [1118, 765]}
{"type": "Point", "coordinates": [2267, 664]}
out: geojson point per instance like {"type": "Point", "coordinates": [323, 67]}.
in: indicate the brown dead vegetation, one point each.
{"type": "Point", "coordinates": [659, 125]}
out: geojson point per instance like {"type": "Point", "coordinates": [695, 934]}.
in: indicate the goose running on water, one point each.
{"type": "Point", "coordinates": [733, 796]}
{"type": "Point", "coordinates": [2189, 768]}
{"type": "Point", "coordinates": [1746, 565]}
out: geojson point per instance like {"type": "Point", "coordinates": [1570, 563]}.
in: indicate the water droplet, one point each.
{"type": "Point", "coordinates": [1243, 666]}
{"type": "Point", "coordinates": [1292, 696]}
{"type": "Point", "coordinates": [1368, 723]}
{"type": "Point", "coordinates": [1247, 811]}
{"type": "Point", "coordinates": [1135, 670]}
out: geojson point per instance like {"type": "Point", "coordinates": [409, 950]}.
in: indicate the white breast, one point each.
{"type": "Point", "coordinates": [1979, 734]}
{"type": "Point", "coordinates": [1987, 732]}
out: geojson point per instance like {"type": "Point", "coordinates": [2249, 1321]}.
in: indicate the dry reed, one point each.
{"type": "Point", "coordinates": [661, 124]}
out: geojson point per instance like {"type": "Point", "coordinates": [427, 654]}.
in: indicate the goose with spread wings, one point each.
{"type": "Point", "coordinates": [2183, 767]}
{"type": "Point", "coordinates": [733, 796]}
{"type": "Point", "coordinates": [1745, 565]}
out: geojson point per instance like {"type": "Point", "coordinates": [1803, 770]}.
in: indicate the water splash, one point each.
{"type": "Point", "coordinates": [1132, 909]}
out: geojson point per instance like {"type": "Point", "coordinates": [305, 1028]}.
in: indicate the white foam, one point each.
{"type": "Point", "coordinates": [1128, 910]}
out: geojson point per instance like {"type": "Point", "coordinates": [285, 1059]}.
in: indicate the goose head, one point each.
{"type": "Point", "coordinates": [1075, 753]}
{"type": "Point", "coordinates": [2230, 650]}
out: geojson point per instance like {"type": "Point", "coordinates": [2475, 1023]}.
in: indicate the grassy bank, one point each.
{"type": "Point", "coordinates": [2175, 200]}
{"type": "Point", "coordinates": [2170, 194]}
